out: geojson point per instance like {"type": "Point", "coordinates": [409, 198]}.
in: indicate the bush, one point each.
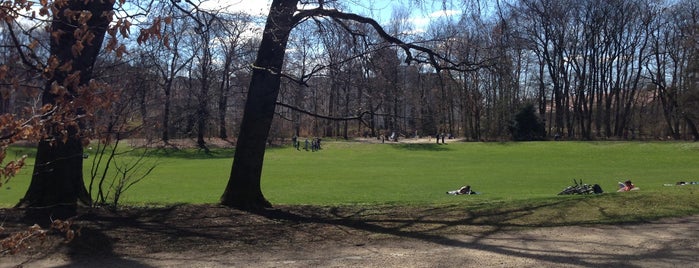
{"type": "Point", "coordinates": [527, 126]}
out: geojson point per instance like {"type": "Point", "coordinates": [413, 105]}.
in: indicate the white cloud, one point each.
{"type": "Point", "coordinates": [444, 13]}
{"type": "Point", "coordinates": [252, 7]}
{"type": "Point", "coordinates": [380, 10]}
{"type": "Point", "coordinates": [421, 23]}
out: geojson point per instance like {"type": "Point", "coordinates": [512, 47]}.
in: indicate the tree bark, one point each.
{"type": "Point", "coordinates": [243, 189]}
{"type": "Point", "coordinates": [57, 180]}
{"type": "Point", "coordinates": [692, 127]}
{"type": "Point", "coordinates": [223, 92]}
{"type": "Point", "coordinates": [203, 99]}
{"type": "Point", "coordinates": [166, 112]}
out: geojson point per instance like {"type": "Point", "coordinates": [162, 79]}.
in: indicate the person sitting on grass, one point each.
{"type": "Point", "coordinates": [627, 186]}
{"type": "Point", "coordinates": [463, 190]}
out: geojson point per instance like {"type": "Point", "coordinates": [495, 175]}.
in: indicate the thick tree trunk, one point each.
{"type": "Point", "coordinates": [57, 180]}
{"type": "Point", "coordinates": [243, 189]}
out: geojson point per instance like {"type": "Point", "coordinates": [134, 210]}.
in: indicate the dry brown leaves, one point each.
{"type": "Point", "coordinates": [18, 241]}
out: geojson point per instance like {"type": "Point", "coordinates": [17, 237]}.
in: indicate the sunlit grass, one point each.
{"type": "Point", "coordinates": [518, 178]}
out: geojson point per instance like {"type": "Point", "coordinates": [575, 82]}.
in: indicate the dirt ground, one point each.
{"type": "Point", "coordinates": [309, 236]}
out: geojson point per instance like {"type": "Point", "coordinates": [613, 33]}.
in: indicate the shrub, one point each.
{"type": "Point", "coordinates": [527, 126]}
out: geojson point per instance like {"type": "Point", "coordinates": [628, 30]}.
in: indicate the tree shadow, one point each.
{"type": "Point", "coordinates": [193, 153]}
{"type": "Point", "coordinates": [214, 229]}
{"type": "Point", "coordinates": [94, 248]}
{"type": "Point", "coordinates": [437, 232]}
{"type": "Point", "coordinates": [421, 147]}
{"type": "Point", "coordinates": [87, 247]}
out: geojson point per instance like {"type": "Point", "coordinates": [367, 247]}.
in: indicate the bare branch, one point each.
{"type": "Point", "coordinates": [438, 61]}
{"type": "Point", "coordinates": [357, 117]}
{"type": "Point", "coordinates": [18, 46]}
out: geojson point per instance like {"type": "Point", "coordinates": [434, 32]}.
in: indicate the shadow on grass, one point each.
{"type": "Point", "coordinates": [194, 153]}
{"type": "Point", "coordinates": [421, 147]}
{"type": "Point", "coordinates": [212, 153]}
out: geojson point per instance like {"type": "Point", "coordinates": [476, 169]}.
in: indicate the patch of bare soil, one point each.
{"type": "Point", "coordinates": [303, 236]}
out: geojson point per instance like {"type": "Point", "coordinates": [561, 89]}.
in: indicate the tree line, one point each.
{"type": "Point", "coordinates": [594, 70]}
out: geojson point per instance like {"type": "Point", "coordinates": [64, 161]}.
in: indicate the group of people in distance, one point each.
{"type": "Point", "coordinates": [623, 187]}
{"type": "Point", "coordinates": [313, 145]}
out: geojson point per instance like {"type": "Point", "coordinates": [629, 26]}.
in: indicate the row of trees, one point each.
{"type": "Point", "coordinates": [618, 69]}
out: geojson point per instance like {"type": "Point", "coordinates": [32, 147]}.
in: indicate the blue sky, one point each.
{"type": "Point", "coordinates": [380, 10]}
{"type": "Point", "coordinates": [420, 18]}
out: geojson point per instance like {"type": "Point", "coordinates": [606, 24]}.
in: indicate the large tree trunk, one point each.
{"type": "Point", "coordinates": [57, 180]}
{"type": "Point", "coordinates": [243, 189]}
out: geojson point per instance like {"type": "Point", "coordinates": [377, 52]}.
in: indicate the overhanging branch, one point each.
{"type": "Point", "coordinates": [357, 117]}
{"type": "Point", "coordinates": [433, 58]}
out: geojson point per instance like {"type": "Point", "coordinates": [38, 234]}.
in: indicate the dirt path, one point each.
{"type": "Point", "coordinates": [297, 241]}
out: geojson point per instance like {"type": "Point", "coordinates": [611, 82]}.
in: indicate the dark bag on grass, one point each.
{"type": "Point", "coordinates": [597, 189]}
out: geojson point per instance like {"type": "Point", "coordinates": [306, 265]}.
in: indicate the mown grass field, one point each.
{"type": "Point", "coordinates": [509, 176]}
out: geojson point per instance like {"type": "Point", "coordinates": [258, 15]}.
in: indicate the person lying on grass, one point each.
{"type": "Point", "coordinates": [463, 190]}
{"type": "Point", "coordinates": [627, 186]}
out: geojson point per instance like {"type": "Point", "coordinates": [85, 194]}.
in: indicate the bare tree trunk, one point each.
{"type": "Point", "coordinates": [165, 136]}
{"type": "Point", "coordinates": [692, 127]}
{"type": "Point", "coordinates": [222, 103]}
{"type": "Point", "coordinates": [203, 104]}
{"type": "Point", "coordinates": [57, 179]}
{"type": "Point", "coordinates": [223, 92]}
{"type": "Point", "coordinates": [243, 189]}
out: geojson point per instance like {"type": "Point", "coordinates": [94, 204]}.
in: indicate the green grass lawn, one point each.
{"type": "Point", "coordinates": [509, 175]}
